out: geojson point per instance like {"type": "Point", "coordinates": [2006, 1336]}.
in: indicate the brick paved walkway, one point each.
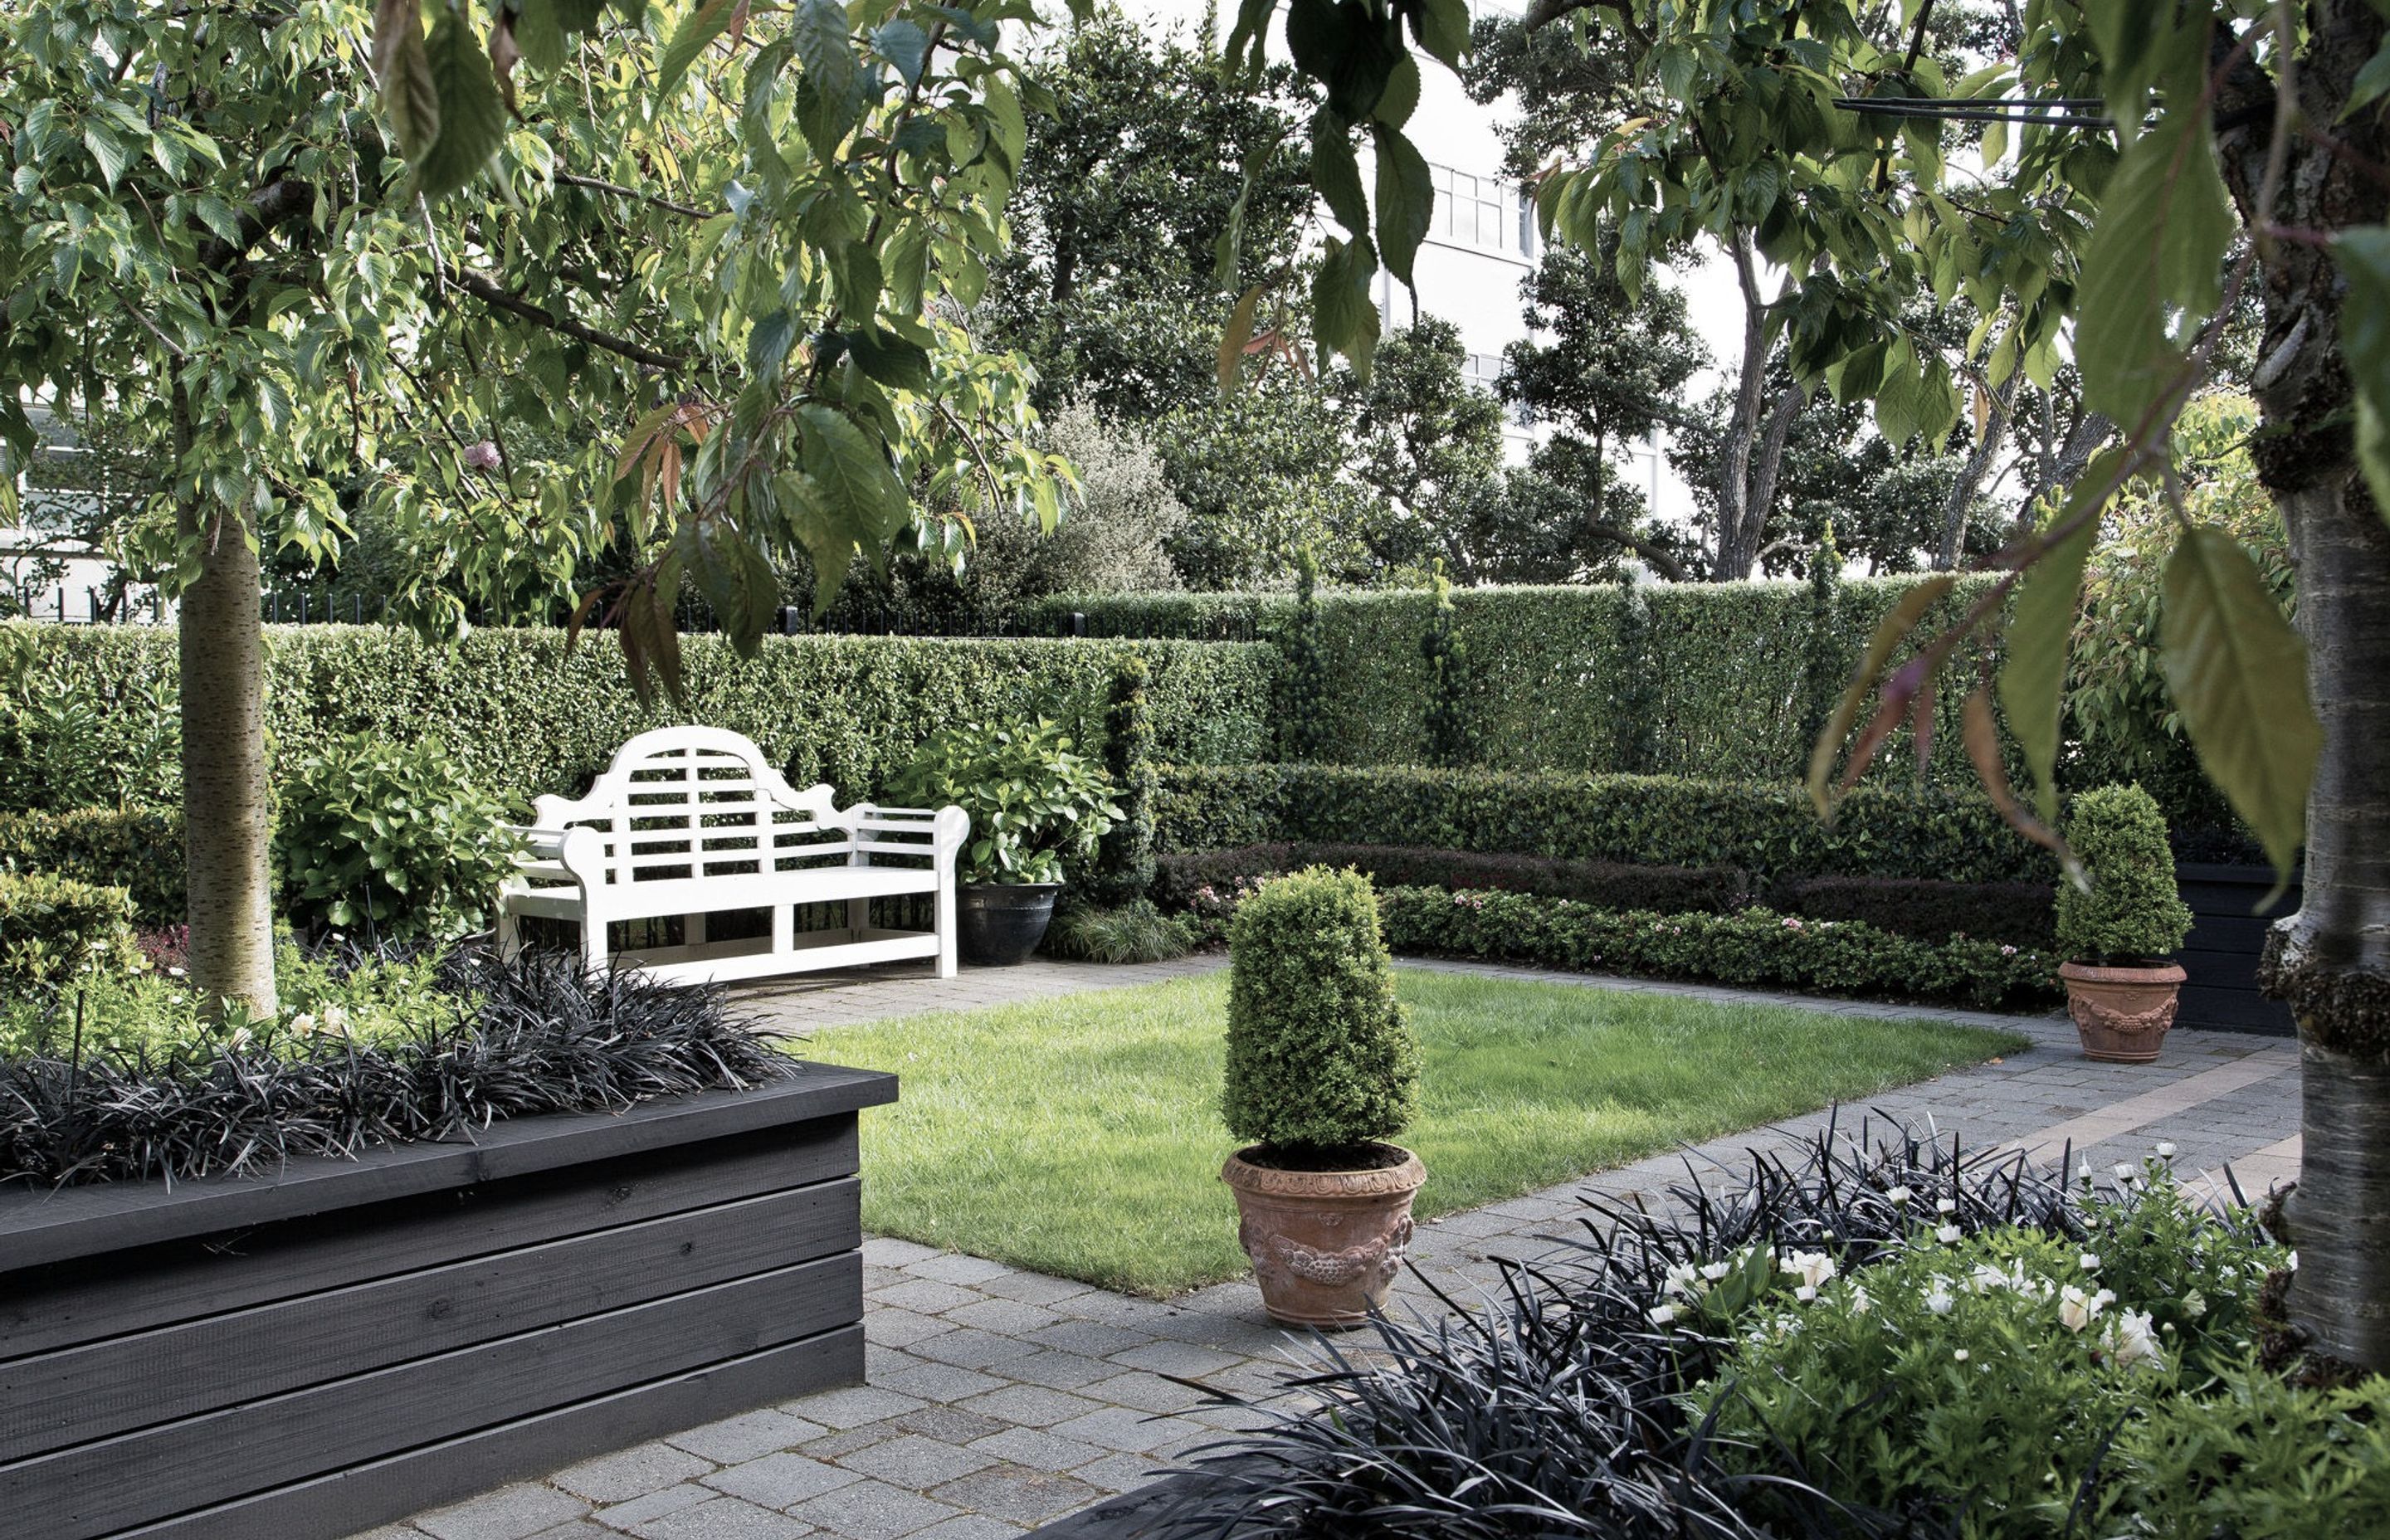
{"type": "Point", "coordinates": [998, 1399]}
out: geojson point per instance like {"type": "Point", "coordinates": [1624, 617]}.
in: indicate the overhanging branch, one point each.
{"type": "Point", "coordinates": [498, 298]}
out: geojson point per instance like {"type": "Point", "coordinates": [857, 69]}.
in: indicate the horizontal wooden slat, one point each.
{"type": "Point", "coordinates": [38, 1227]}
{"type": "Point", "coordinates": [48, 1308]}
{"type": "Point", "coordinates": [56, 1399]}
{"type": "Point", "coordinates": [94, 1489]}
{"type": "Point", "coordinates": [375, 1492]}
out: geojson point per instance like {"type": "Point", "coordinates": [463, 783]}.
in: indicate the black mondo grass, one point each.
{"type": "Point", "coordinates": [532, 1035]}
{"type": "Point", "coordinates": [1555, 1407]}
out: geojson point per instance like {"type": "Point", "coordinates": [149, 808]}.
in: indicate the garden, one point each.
{"type": "Point", "coordinates": [786, 505]}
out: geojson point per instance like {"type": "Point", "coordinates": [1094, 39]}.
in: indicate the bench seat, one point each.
{"type": "Point", "coordinates": [690, 822]}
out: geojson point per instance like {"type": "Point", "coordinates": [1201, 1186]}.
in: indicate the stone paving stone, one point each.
{"type": "Point", "coordinates": [1144, 1392]}
{"type": "Point", "coordinates": [1092, 1338]}
{"type": "Point", "coordinates": [744, 1438]}
{"type": "Point", "coordinates": [1042, 1450]}
{"type": "Point", "coordinates": [1017, 1493]}
{"type": "Point", "coordinates": [642, 1468]}
{"type": "Point", "coordinates": [1119, 1472]}
{"type": "Point", "coordinates": [971, 1348]}
{"type": "Point", "coordinates": [1183, 1358]}
{"type": "Point", "coordinates": [1034, 1288]}
{"type": "Point", "coordinates": [1131, 1433]}
{"type": "Point", "coordinates": [942, 1383]}
{"type": "Point", "coordinates": [851, 1408]}
{"type": "Point", "coordinates": [723, 1519]}
{"type": "Point", "coordinates": [892, 1325]}
{"type": "Point", "coordinates": [956, 1267]}
{"type": "Point", "coordinates": [948, 1424]}
{"type": "Point", "coordinates": [1030, 1405]}
{"type": "Point", "coordinates": [916, 1463]}
{"type": "Point", "coordinates": [578, 1530]}
{"type": "Point", "coordinates": [780, 1481]}
{"type": "Point", "coordinates": [882, 1251]}
{"type": "Point", "coordinates": [1057, 1369]}
{"type": "Point", "coordinates": [839, 1445]}
{"type": "Point", "coordinates": [874, 1510]}
{"type": "Point", "coordinates": [926, 1295]}
{"type": "Point", "coordinates": [514, 1512]}
{"type": "Point", "coordinates": [1015, 1316]}
{"type": "Point", "coordinates": [972, 1526]}
{"type": "Point", "coordinates": [651, 1505]}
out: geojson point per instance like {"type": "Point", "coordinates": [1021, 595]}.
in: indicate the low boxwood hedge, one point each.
{"type": "Point", "coordinates": [1770, 829]}
{"type": "Point", "coordinates": [139, 850]}
{"type": "Point", "coordinates": [2016, 911]}
{"type": "Point", "coordinates": [1179, 878]}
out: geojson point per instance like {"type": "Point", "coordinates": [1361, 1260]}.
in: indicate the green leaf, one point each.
{"type": "Point", "coordinates": [735, 577]}
{"type": "Point", "coordinates": [1343, 316]}
{"type": "Point", "coordinates": [472, 117]}
{"type": "Point", "coordinates": [830, 97]}
{"type": "Point", "coordinates": [219, 216]}
{"type": "Point", "coordinates": [404, 74]}
{"type": "Point", "coordinates": [892, 361]}
{"type": "Point", "coordinates": [768, 342]}
{"type": "Point", "coordinates": [111, 153]}
{"type": "Point", "coordinates": [1238, 333]}
{"type": "Point", "coordinates": [2160, 243]}
{"type": "Point", "coordinates": [1405, 200]}
{"type": "Point", "coordinates": [1402, 95]}
{"type": "Point", "coordinates": [539, 31]}
{"type": "Point", "coordinates": [1336, 172]}
{"type": "Point", "coordinates": [2370, 84]}
{"type": "Point", "coordinates": [904, 45]}
{"type": "Point", "coordinates": [2239, 674]}
{"type": "Point", "coordinates": [1441, 28]}
{"type": "Point", "coordinates": [697, 29]}
{"type": "Point", "coordinates": [2363, 257]}
{"type": "Point", "coordinates": [858, 487]}
{"type": "Point", "coordinates": [2033, 680]}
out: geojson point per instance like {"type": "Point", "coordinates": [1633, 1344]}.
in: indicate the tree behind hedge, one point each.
{"type": "Point", "coordinates": [1321, 1054]}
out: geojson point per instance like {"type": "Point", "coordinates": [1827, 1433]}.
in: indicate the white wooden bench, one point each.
{"type": "Point", "coordinates": [690, 822]}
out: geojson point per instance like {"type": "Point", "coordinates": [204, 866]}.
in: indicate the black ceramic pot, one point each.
{"type": "Point", "coordinates": [1001, 923]}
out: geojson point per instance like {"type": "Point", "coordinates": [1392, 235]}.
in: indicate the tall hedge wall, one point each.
{"type": "Point", "coordinates": [1767, 829]}
{"type": "Point", "coordinates": [1722, 671]}
{"type": "Point", "coordinates": [523, 716]}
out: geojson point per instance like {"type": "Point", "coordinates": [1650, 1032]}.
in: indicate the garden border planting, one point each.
{"type": "Point", "coordinates": [317, 1353]}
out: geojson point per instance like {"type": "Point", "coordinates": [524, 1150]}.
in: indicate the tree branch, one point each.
{"type": "Point", "coordinates": [686, 210]}
{"type": "Point", "coordinates": [268, 206]}
{"type": "Point", "coordinates": [490, 293]}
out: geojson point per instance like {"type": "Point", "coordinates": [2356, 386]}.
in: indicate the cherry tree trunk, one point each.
{"type": "Point", "coordinates": [226, 825]}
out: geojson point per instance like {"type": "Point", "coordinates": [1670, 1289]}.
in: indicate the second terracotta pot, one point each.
{"type": "Point", "coordinates": [1325, 1245]}
{"type": "Point", "coordinates": [2121, 1014]}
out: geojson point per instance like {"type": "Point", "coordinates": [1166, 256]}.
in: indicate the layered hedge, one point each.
{"type": "Point", "coordinates": [523, 714]}
{"type": "Point", "coordinates": [139, 850]}
{"type": "Point", "coordinates": [1716, 672]}
{"type": "Point", "coordinates": [1756, 948]}
{"type": "Point", "coordinates": [1770, 830]}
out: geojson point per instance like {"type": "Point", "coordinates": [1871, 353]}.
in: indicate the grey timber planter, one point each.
{"type": "Point", "coordinates": [322, 1350]}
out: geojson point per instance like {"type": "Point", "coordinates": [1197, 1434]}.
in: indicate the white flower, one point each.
{"type": "Point", "coordinates": [2090, 1261]}
{"type": "Point", "coordinates": [1661, 1314]}
{"type": "Point", "coordinates": [1804, 1294]}
{"type": "Point", "coordinates": [2124, 1170]}
{"type": "Point", "coordinates": [2194, 1304]}
{"type": "Point", "coordinates": [1946, 1205]}
{"type": "Point", "coordinates": [1811, 1267]}
{"type": "Point", "coordinates": [1948, 1235]}
{"type": "Point", "coordinates": [2078, 1310]}
{"type": "Point", "coordinates": [2083, 1171]}
{"type": "Point", "coordinates": [1712, 1271]}
{"type": "Point", "coordinates": [174, 972]}
{"type": "Point", "coordinates": [1680, 1279]}
{"type": "Point", "coordinates": [2292, 1261]}
{"type": "Point", "coordinates": [2130, 1339]}
{"type": "Point", "coordinates": [1987, 1278]}
{"type": "Point", "coordinates": [1960, 1355]}
{"type": "Point", "coordinates": [1860, 1302]}
{"type": "Point", "coordinates": [1938, 1300]}
{"type": "Point", "coordinates": [1900, 1195]}
{"type": "Point", "coordinates": [2166, 1150]}
{"type": "Point", "coordinates": [304, 1022]}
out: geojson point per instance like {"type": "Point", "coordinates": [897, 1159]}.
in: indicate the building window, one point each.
{"type": "Point", "coordinates": [1482, 369]}
{"type": "Point", "coordinates": [1482, 212]}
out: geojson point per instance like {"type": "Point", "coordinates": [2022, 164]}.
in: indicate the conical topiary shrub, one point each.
{"type": "Point", "coordinates": [1321, 1056]}
{"type": "Point", "coordinates": [1322, 1068]}
{"type": "Point", "coordinates": [2133, 912]}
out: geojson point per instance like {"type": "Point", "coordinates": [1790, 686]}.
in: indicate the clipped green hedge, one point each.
{"type": "Point", "coordinates": [139, 850]}
{"type": "Point", "coordinates": [1756, 948]}
{"type": "Point", "coordinates": [1719, 672]}
{"type": "Point", "coordinates": [521, 716]}
{"type": "Point", "coordinates": [1770, 829]}
{"type": "Point", "coordinates": [53, 927]}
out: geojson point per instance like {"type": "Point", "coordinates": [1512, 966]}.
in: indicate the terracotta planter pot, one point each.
{"type": "Point", "coordinates": [2122, 1013]}
{"type": "Point", "coordinates": [1325, 1245]}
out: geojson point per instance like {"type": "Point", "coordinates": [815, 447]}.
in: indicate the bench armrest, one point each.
{"type": "Point", "coordinates": [560, 853]}
{"type": "Point", "coordinates": [945, 828]}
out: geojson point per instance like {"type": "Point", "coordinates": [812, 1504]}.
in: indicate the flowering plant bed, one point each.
{"type": "Point", "coordinates": [352, 1340]}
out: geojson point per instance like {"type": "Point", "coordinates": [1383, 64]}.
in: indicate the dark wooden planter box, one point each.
{"type": "Point", "coordinates": [320, 1352]}
{"type": "Point", "coordinates": [2226, 935]}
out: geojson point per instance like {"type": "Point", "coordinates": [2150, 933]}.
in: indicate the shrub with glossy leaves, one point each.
{"type": "Point", "coordinates": [1035, 801]}
{"type": "Point", "coordinates": [2133, 911]}
{"type": "Point", "coordinates": [53, 928]}
{"type": "Point", "coordinates": [1321, 1054]}
{"type": "Point", "coordinates": [390, 839]}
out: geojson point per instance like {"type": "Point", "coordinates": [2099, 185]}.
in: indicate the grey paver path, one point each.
{"type": "Point", "coordinates": [997, 1399]}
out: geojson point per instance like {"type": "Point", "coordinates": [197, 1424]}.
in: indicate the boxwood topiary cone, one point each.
{"type": "Point", "coordinates": [1321, 1066]}
{"type": "Point", "coordinates": [2120, 989]}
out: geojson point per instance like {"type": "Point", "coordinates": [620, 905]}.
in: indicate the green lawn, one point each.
{"type": "Point", "coordinates": [1081, 1135]}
